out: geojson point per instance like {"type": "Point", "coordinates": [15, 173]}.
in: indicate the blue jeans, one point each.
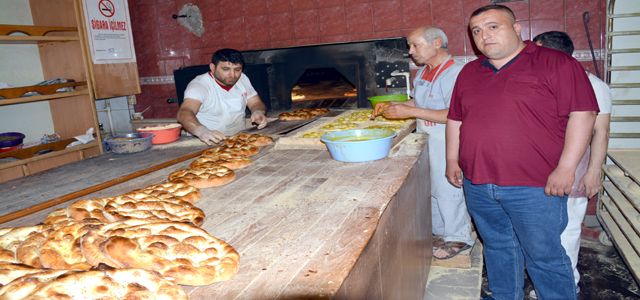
{"type": "Point", "coordinates": [521, 226]}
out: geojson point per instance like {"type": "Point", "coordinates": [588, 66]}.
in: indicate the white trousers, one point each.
{"type": "Point", "coordinates": [449, 216]}
{"type": "Point", "coordinates": [570, 237]}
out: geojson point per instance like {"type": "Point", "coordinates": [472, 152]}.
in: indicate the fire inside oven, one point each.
{"type": "Point", "coordinates": [324, 87]}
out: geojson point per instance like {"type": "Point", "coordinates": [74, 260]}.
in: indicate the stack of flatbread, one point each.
{"type": "Point", "coordinates": [138, 245]}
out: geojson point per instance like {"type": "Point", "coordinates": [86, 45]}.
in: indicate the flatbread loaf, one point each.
{"type": "Point", "coordinates": [89, 209]}
{"type": "Point", "coordinates": [303, 114]}
{"type": "Point", "coordinates": [179, 190]}
{"type": "Point", "coordinates": [11, 238]}
{"type": "Point", "coordinates": [180, 252]}
{"type": "Point", "coordinates": [28, 252]}
{"type": "Point", "coordinates": [61, 248]}
{"type": "Point", "coordinates": [204, 178]}
{"type": "Point", "coordinates": [112, 284]}
{"type": "Point", "coordinates": [10, 271]}
{"type": "Point", "coordinates": [22, 287]}
{"type": "Point", "coordinates": [120, 208]}
{"type": "Point", "coordinates": [236, 147]}
{"type": "Point", "coordinates": [258, 140]}
{"type": "Point", "coordinates": [233, 162]}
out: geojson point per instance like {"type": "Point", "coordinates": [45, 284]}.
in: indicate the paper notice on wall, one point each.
{"type": "Point", "coordinates": [109, 31]}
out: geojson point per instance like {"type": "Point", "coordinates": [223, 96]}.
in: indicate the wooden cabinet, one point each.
{"type": "Point", "coordinates": [60, 37]}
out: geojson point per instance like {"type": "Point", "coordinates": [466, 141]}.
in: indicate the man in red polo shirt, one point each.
{"type": "Point", "coordinates": [520, 120]}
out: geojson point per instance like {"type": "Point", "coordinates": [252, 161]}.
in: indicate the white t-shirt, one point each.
{"type": "Point", "coordinates": [603, 96]}
{"type": "Point", "coordinates": [221, 109]}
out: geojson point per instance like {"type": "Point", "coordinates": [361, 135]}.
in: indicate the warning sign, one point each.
{"type": "Point", "coordinates": [109, 30]}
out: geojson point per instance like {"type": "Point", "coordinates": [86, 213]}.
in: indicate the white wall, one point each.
{"type": "Point", "coordinates": [626, 59]}
{"type": "Point", "coordinates": [32, 119]}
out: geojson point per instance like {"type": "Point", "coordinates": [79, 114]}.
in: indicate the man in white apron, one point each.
{"type": "Point", "coordinates": [433, 86]}
{"type": "Point", "coordinates": [215, 102]}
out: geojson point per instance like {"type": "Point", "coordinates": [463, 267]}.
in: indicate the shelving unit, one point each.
{"type": "Point", "coordinates": [59, 33]}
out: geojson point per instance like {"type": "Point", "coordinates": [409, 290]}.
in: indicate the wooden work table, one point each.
{"type": "Point", "coordinates": [305, 225]}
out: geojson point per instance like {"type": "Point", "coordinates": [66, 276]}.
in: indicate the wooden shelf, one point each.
{"type": "Point", "coordinates": [17, 92]}
{"type": "Point", "coordinates": [4, 39]}
{"type": "Point", "coordinates": [37, 33]}
{"type": "Point", "coordinates": [62, 48]}
{"type": "Point", "coordinates": [48, 155]}
{"type": "Point", "coordinates": [42, 97]}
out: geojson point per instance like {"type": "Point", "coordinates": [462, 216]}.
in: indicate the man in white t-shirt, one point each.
{"type": "Point", "coordinates": [215, 102]}
{"type": "Point", "coordinates": [588, 178]}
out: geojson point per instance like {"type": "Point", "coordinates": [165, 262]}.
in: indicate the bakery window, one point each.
{"type": "Point", "coordinates": [323, 87]}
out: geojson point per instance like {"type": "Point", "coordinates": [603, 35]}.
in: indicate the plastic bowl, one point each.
{"type": "Point", "coordinates": [359, 145]}
{"type": "Point", "coordinates": [387, 98]}
{"type": "Point", "coordinates": [9, 139]}
{"type": "Point", "coordinates": [163, 134]}
{"type": "Point", "coordinates": [130, 142]}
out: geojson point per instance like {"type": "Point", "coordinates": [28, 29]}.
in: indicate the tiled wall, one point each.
{"type": "Point", "coordinates": [162, 45]}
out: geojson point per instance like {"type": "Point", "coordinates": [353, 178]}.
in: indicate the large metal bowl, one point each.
{"type": "Point", "coordinates": [130, 142]}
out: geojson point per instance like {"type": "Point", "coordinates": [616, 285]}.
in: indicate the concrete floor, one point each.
{"type": "Point", "coordinates": [454, 283]}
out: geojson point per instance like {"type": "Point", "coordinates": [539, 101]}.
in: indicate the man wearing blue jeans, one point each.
{"type": "Point", "coordinates": [519, 121]}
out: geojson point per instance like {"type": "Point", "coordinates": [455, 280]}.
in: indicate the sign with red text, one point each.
{"type": "Point", "coordinates": [109, 30]}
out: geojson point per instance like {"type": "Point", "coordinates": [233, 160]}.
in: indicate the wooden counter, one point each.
{"type": "Point", "coordinates": [307, 226]}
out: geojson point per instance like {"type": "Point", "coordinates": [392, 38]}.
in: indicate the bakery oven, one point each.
{"type": "Point", "coordinates": [323, 87]}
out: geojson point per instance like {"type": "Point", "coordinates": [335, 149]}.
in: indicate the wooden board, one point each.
{"type": "Point", "coordinates": [296, 139]}
{"type": "Point", "coordinates": [628, 160]}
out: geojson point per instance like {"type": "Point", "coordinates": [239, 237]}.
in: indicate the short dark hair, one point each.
{"type": "Point", "coordinates": [492, 7]}
{"type": "Point", "coordinates": [230, 55]}
{"type": "Point", "coordinates": [558, 40]}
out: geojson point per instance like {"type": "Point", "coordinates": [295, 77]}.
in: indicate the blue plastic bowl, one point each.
{"type": "Point", "coordinates": [359, 145]}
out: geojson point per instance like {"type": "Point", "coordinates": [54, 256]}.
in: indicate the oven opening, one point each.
{"type": "Point", "coordinates": [323, 87]}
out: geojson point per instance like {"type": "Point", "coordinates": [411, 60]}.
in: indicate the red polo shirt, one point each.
{"type": "Point", "coordinates": [514, 119]}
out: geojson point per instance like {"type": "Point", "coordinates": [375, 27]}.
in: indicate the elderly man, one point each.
{"type": "Point", "coordinates": [520, 120]}
{"type": "Point", "coordinates": [433, 85]}
{"type": "Point", "coordinates": [215, 102]}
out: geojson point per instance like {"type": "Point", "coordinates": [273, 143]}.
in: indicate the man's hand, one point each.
{"type": "Point", "coordinates": [259, 118]}
{"type": "Point", "coordinates": [378, 110]}
{"type": "Point", "coordinates": [454, 173]}
{"type": "Point", "coordinates": [209, 137]}
{"type": "Point", "coordinates": [591, 183]}
{"type": "Point", "coordinates": [560, 182]}
{"type": "Point", "coordinates": [398, 111]}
